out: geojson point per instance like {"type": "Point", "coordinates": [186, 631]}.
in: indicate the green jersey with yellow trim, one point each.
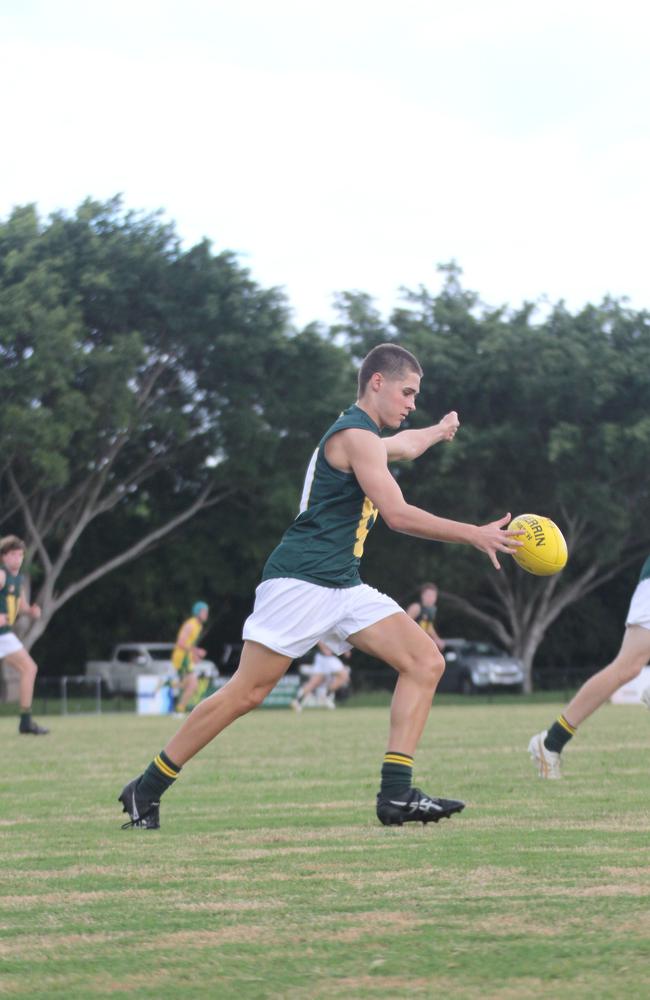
{"type": "Point", "coordinates": [426, 618]}
{"type": "Point", "coordinates": [9, 598]}
{"type": "Point", "coordinates": [324, 544]}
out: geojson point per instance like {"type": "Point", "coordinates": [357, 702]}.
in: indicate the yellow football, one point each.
{"type": "Point", "coordinates": [543, 550]}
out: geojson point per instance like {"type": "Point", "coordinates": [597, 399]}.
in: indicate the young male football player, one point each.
{"type": "Point", "coordinates": [311, 590]}
{"type": "Point", "coordinates": [424, 612]}
{"type": "Point", "coordinates": [186, 653]}
{"type": "Point", "coordinates": [545, 748]}
{"type": "Point", "coordinates": [12, 604]}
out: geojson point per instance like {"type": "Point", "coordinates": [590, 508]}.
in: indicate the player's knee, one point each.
{"type": "Point", "coordinates": [28, 668]}
{"type": "Point", "coordinates": [629, 669]}
{"type": "Point", "coordinates": [254, 697]}
{"type": "Point", "coordinates": [439, 664]}
{"type": "Point", "coordinates": [429, 668]}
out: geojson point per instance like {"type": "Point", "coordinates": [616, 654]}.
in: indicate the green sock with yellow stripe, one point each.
{"type": "Point", "coordinates": [161, 773]}
{"type": "Point", "coordinates": [559, 735]}
{"type": "Point", "coordinates": [396, 774]}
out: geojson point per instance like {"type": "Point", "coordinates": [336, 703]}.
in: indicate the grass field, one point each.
{"type": "Point", "coordinates": [271, 877]}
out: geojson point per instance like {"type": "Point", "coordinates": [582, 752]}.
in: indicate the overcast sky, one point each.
{"type": "Point", "coordinates": [349, 144]}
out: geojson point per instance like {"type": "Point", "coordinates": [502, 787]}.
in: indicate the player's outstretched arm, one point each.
{"type": "Point", "coordinates": [369, 462]}
{"type": "Point", "coordinates": [407, 445]}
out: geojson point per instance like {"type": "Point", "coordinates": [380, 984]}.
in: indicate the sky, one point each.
{"type": "Point", "coordinates": [349, 144]}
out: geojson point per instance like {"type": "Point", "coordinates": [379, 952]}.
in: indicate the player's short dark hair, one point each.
{"type": "Point", "coordinates": [427, 586]}
{"type": "Point", "coordinates": [391, 360]}
{"type": "Point", "coordinates": [10, 543]}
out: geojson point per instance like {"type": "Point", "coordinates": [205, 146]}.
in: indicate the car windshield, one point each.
{"type": "Point", "coordinates": [484, 649]}
{"type": "Point", "coordinates": [161, 654]}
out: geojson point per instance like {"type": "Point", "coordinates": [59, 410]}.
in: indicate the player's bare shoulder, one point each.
{"type": "Point", "coordinates": [348, 446]}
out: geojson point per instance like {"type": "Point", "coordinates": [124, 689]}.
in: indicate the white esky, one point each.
{"type": "Point", "coordinates": [341, 145]}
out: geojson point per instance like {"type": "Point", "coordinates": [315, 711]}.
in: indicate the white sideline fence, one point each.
{"type": "Point", "coordinates": [76, 694]}
{"type": "Point", "coordinates": [93, 687]}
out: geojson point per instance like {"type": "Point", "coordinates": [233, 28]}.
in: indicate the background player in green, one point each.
{"type": "Point", "coordinates": [12, 604]}
{"type": "Point", "coordinates": [186, 653]}
{"type": "Point", "coordinates": [311, 590]}
{"type": "Point", "coordinates": [424, 612]}
{"type": "Point", "coordinates": [546, 747]}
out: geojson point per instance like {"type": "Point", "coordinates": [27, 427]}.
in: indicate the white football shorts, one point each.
{"type": "Point", "coordinates": [639, 613]}
{"type": "Point", "coordinates": [290, 616]}
{"type": "Point", "coordinates": [9, 643]}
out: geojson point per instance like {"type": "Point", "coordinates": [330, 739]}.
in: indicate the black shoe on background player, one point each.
{"type": "Point", "coordinates": [415, 807]}
{"type": "Point", "coordinates": [32, 728]}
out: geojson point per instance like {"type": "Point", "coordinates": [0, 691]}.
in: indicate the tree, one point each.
{"type": "Point", "coordinates": [132, 375]}
{"type": "Point", "coordinates": [219, 554]}
{"type": "Point", "coordinates": [554, 420]}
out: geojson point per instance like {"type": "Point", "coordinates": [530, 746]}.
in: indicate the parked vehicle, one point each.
{"type": "Point", "coordinates": [473, 665]}
{"type": "Point", "coordinates": [130, 659]}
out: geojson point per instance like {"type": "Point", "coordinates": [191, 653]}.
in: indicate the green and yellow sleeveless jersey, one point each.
{"type": "Point", "coordinates": [324, 544]}
{"type": "Point", "coordinates": [181, 658]}
{"type": "Point", "coordinates": [9, 598]}
{"type": "Point", "coordinates": [426, 618]}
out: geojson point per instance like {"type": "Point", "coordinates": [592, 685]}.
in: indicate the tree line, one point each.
{"type": "Point", "coordinates": [158, 409]}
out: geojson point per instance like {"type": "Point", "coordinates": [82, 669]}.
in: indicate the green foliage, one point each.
{"type": "Point", "coordinates": [145, 387]}
{"type": "Point", "coordinates": [139, 384]}
{"type": "Point", "coordinates": [554, 420]}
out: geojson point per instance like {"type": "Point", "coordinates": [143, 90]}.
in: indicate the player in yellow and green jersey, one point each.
{"type": "Point", "coordinates": [311, 590]}
{"type": "Point", "coordinates": [186, 653]}
{"type": "Point", "coordinates": [425, 610]}
{"type": "Point", "coordinates": [13, 603]}
{"type": "Point", "coordinates": [546, 747]}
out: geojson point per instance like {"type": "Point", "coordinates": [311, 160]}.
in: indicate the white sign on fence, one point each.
{"type": "Point", "coordinates": [155, 695]}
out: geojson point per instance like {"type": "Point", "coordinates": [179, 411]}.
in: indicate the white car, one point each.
{"type": "Point", "coordinates": [131, 659]}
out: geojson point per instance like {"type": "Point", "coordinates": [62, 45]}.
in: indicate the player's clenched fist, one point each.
{"type": "Point", "coordinates": [449, 424]}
